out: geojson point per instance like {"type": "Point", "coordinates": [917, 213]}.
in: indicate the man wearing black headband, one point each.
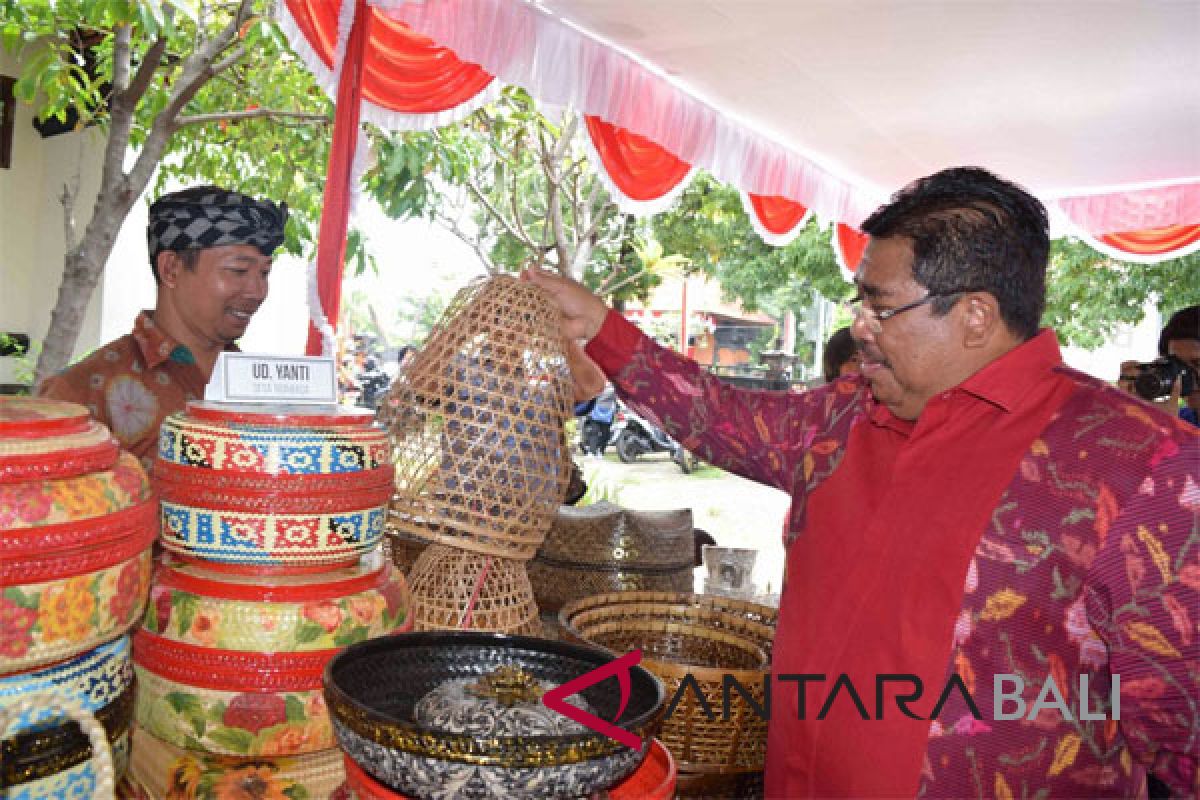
{"type": "Point", "coordinates": [210, 253]}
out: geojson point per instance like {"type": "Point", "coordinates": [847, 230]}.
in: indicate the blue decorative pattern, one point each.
{"type": "Point", "coordinates": [94, 678]}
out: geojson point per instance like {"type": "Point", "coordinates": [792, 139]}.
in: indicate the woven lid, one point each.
{"type": "Point", "coordinates": [50, 439]}
{"type": "Point", "coordinates": [210, 580]}
{"type": "Point", "coordinates": [604, 534]}
{"type": "Point", "coordinates": [290, 416]}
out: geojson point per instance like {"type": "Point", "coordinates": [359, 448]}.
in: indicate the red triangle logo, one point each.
{"type": "Point", "coordinates": [555, 699]}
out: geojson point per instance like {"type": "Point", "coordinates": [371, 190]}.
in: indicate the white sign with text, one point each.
{"type": "Point", "coordinates": [257, 378]}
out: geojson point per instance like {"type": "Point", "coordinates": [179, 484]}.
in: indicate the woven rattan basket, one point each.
{"type": "Point", "coordinates": [456, 589]}
{"type": "Point", "coordinates": [741, 617]}
{"type": "Point", "coordinates": [476, 422]}
{"type": "Point", "coordinates": [402, 549]}
{"type": "Point", "coordinates": [604, 548]}
{"type": "Point", "coordinates": [674, 651]}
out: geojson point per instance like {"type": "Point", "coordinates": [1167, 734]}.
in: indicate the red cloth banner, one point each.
{"type": "Point", "coordinates": [335, 213]}
{"type": "Point", "coordinates": [402, 70]}
{"type": "Point", "coordinates": [637, 169]}
{"type": "Point", "coordinates": [849, 245]}
{"type": "Point", "coordinates": [1154, 242]}
{"type": "Point", "coordinates": [779, 215]}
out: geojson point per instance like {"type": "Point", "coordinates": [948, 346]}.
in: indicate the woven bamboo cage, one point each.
{"type": "Point", "coordinates": [604, 548]}
{"type": "Point", "coordinates": [476, 423]}
{"type": "Point", "coordinates": [402, 549]}
{"type": "Point", "coordinates": [456, 589]}
{"type": "Point", "coordinates": [678, 650]}
{"type": "Point", "coordinates": [753, 621]}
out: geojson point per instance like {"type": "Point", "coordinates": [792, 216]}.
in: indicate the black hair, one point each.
{"type": "Point", "coordinates": [973, 231]}
{"type": "Point", "coordinates": [840, 348]}
{"type": "Point", "coordinates": [1184, 324]}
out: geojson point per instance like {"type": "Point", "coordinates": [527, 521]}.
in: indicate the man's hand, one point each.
{"type": "Point", "coordinates": [583, 312]}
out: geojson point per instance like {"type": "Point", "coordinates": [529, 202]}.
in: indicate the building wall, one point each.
{"type": "Point", "coordinates": [31, 225]}
{"type": "Point", "coordinates": [32, 247]}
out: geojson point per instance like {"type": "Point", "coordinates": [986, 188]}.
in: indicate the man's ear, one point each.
{"type": "Point", "coordinates": [169, 264]}
{"type": "Point", "coordinates": [981, 319]}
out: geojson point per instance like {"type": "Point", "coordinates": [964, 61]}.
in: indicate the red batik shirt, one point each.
{"type": "Point", "coordinates": [132, 383]}
{"type": "Point", "coordinates": [1032, 522]}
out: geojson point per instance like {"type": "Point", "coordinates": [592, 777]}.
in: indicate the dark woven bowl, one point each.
{"type": "Point", "coordinates": [372, 687]}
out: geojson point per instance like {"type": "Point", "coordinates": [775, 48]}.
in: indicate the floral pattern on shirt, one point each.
{"type": "Point", "coordinates": [1090, 567]}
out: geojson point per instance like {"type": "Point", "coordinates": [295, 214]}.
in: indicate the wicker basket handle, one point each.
{"type": "Point", "coordinates": [102, 762]}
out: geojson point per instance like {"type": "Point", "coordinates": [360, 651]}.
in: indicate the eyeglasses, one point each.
{"type": "Point", "coordinates": [874, 319]}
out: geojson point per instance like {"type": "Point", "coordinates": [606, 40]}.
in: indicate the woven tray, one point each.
{"type": "Point", "coordinates": [166, 771]}
{"type": "Point", "coordinates": [673, 651]}
{"type": "Point", "coordinates": [476, 422]}
{"type": "Point", "coordinates": [456, 589]}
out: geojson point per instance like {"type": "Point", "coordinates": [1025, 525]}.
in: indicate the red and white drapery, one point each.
{"type": "Point", "coordinates": [420, 65]}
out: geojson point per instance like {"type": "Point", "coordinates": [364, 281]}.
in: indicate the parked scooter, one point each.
{"type": "Point", "coordinates": [596, 431]}
{"type": "Point", "coordinates": [635, 436]}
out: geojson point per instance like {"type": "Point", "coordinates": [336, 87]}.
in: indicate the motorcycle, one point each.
{"type": "Point", "coordinates": [596, 432]}
{"type": "Point", "coordinates": [635, 436]}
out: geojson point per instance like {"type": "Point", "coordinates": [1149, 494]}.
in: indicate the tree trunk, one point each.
{"type": "Point", "coordinates": [82, 268]}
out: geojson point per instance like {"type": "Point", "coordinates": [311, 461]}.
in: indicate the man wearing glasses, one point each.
{"type": "Point", "coordinates": [967, 507]}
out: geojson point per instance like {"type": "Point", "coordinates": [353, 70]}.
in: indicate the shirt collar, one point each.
{"type": "Point", "coordinates": [155, 344]}
{"type": "Point", "coordinates": [1006, 380]}
{"type": "Point", "coordinates": [1003, 382]}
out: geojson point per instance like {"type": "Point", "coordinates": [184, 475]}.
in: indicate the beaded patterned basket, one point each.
{"type": "Point", "coordinates": [374, 689]}
{"type": "Point", "coordinates": [456, 589]}
{"type": "Point", "coordinates": [38, 756]}
{"type": "Point", "coordinates": [166, 771]}
{"type": "Point", "coordinates": [262, 489]}
{"type": "Point", "coordinates": [206, 607]}
{"type": "Point", "coordinates": [94, 679]}
{"type": "Point", "coordinates": [476, 422]}
{"type": "Point", "coordinates": [675, 650]}
{"type": "Point", "coordinates": [604, 548]}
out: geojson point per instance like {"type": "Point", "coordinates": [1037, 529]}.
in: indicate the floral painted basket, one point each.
{"type": "Point", "coordinates": [166, 771]}
{"type": "Point", "coordinates": [197, 605]}
{"type": "Point", "coordinates": [230, 701]}
{"type": "Point", "coordinates": [77, 521]}
{"type": "Point", "coordinates": [51, 620]}
{"type": "Point", "coordinates": [264, 490]}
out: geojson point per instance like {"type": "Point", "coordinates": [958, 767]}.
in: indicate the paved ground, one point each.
{"type": "Point", "coordinates": [737, 512]}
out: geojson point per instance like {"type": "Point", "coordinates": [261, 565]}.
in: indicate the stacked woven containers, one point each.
{"type": "Point", "coordinates": [704, 640]}
{"type": "Point", "coordinates": [77, 523]}
{"type": "Point", "coordinates": [476, 422]}
{"type": "Point", "coordinates": [272, 521]}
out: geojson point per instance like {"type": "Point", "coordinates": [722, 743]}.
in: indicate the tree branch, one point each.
{"type": "Point", "coordinates": [628, 278]}
{"type": "Point", "coordinates": [121, 57]}
{"type": "Point", "coordinates": [145, 74]}
{"type": "Point", "coordinates": [253, 113]}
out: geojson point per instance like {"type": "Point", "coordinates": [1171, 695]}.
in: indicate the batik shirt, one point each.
{"type": "Point", "coordinates": [1032, 522]}
{"type": "Point", "coordinates": [132, 383]}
